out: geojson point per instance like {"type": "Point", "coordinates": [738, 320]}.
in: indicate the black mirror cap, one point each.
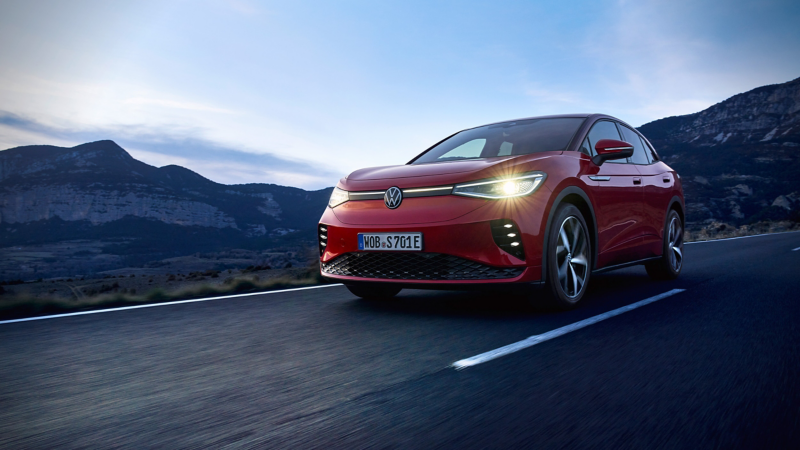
{"type": "Point", "coordinates": [598, 160]}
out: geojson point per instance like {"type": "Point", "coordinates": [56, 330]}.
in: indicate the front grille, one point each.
{"type": "Point", "coordinates": [415, 266]}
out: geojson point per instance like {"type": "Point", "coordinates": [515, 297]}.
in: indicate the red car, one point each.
{"type": "Point", "coordinates": [545, 201]}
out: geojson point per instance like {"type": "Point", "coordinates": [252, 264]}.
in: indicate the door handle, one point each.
{"type": "Point", "coordinates": [666, 180]}
{"type": "Point", "coordinates": [637, 180]}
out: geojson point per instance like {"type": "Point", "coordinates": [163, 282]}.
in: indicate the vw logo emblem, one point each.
{"type": "Point", "coordinates": [393, 197]}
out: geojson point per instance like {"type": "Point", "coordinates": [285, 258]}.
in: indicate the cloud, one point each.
{"type": "Point", "coordinates": [159, 147]}
{"type": "Point", "coordinates": [554, 96]}
{"type": "Point", "coordinates": [176, 104]}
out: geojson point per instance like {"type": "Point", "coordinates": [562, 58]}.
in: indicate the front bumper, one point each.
{"type": "Point", "coordinates": [460, 251]}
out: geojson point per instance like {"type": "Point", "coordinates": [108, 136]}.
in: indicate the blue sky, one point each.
{"type": "Point", "coordinates": [302, 93]}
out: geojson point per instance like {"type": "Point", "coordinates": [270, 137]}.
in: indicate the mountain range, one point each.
{"type": "Point", "coordinates": [98, 191]}
{"type": "Point", "coordinates": [738, 160]}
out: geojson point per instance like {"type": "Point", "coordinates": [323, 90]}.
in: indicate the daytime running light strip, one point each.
{"type": "Point", "coordinates": [427, 189]}
{"type": "Point", "coordinates": [501, 180]}
{"type": "Point", "coordinates": [367, 193]}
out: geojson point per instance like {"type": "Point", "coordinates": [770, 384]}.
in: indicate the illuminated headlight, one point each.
{"type": "Point", "coordinates": [515, 186]}
{"type": "Point", "coordinates": [338, 196]}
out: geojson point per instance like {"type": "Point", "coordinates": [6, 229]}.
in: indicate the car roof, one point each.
{"type": "Point", "coordinates": [594, 116]}
{"type": "Point", "coordinates": [552, 116]}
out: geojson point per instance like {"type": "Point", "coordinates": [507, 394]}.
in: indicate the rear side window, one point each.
{"type": "Point", "coordinates": [650, 151]}
{"type": "Point", "coordinates": [520, 137]}
{"type": "Point", "coordinates": [639, 151]}
{"type": "Point", "coordinates": [604, 130]}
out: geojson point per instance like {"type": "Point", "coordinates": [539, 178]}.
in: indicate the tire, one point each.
{"type": "Point", "coordinates": [374, 292]}
{"type": "Point", "coordinates": [569, 257]}
{"type": "Point", "coordinates": [669, 266]}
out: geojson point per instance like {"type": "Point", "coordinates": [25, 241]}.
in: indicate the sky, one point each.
{"type": "Point", "coordinates": [301, 93]}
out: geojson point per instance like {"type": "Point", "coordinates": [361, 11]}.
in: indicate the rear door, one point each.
{"type": "Point", "coordinates": [658, 183]}
{"type": "Point", "coordinates": [618, 197]}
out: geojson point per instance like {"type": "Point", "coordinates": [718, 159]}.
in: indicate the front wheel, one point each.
{"type": "Point", "coordinates": [374, 292]}
{"type": "Point", "coordinates": [569, 257]}
{"type": "Point", "coordinates": [668, 267]}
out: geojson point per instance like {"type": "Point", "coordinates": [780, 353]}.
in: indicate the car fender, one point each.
{"type": "Point", "coordinates": [572, 189]}
{"type": "Point", "coordinates": [675, 199]}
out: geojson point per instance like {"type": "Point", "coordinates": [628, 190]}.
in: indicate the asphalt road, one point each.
{"type": "Point", "coordinates": [714, 366]}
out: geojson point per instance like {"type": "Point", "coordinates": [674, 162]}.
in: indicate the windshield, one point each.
{"type": "Point", "coordinates": [521, 137]}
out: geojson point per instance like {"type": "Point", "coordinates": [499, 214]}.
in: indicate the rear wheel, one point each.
{"type": "Point", "coordinates": [569, 257]}
{"type": "Point", "coordinates": [374, 292]}
{"type": "Point", "coordinates": [668, 267]}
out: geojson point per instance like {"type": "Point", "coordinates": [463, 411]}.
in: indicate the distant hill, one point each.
{"type": "Point", "coordinates": [739, 159]}
{"type": "Point", "coordinates": [99, 191]}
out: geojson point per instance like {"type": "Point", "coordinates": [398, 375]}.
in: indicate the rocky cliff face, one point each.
{"type": "Point", "coordinates": [739, 158]}
{"type": "Point", "coordinates": [72, 203]}
{"type": "Point", "coordinates": [100, 183]}
{"type": "Point", "coordinates": [763, 115]}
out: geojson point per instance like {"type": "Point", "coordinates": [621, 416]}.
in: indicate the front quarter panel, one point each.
{"type": "Point", "coordinates": [571, 174]}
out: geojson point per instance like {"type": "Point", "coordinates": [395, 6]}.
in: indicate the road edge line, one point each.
{"type": "Point", "coordinates": [740, 237]}
{"type": "Point", "coordinates": [153, 305]}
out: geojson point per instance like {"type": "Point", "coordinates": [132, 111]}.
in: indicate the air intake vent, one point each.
{"type": "Point", "coordinates": [507, 236]}
{"type": "Point", "coordinates": [322, 237]}
{"type": "Point", "coordinates": [415, 266]}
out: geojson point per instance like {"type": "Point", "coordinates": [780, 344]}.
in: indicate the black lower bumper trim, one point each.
{"type": "Point", "coordinates": [415, 266]}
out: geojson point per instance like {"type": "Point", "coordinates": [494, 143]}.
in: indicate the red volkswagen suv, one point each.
{"type": "Point", "coordinates": [545, 201]}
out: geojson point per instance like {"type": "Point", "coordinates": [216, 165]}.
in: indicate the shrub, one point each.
{"type": "Point", "coordinates": [23, 306]}
{"type": "Point", "coordinates": [157, 295]}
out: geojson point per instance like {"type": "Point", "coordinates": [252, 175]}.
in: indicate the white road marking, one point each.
{"type": "Point", "coordinates": [153, 305]}
{"type": "Point", "coordinates": [796, 249]}
{"type": "Point", "coordinates": [539, 338]}
{"type": "Point", "coordinates": [739, 237]}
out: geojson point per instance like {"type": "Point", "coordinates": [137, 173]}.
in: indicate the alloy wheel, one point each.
{"type": "Point", "coordinates": [675, 244]}
{"type": "Point", "coordinates": [572, 256]}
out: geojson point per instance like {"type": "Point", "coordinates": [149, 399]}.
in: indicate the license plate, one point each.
{"type": "Point", "coordinates": [393, 242]}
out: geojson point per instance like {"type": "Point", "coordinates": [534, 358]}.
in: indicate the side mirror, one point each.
{"type": "Point", "coordinates": [611, 149]}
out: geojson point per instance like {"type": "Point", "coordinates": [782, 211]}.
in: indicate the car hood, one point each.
{"type": "Point", "coordinates": [433, 174]}
{"type": "Point", "coordinates": [421, 170]}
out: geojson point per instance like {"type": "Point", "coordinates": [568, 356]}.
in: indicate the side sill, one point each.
{"type": "Point", "coordinates": [624, 265]}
